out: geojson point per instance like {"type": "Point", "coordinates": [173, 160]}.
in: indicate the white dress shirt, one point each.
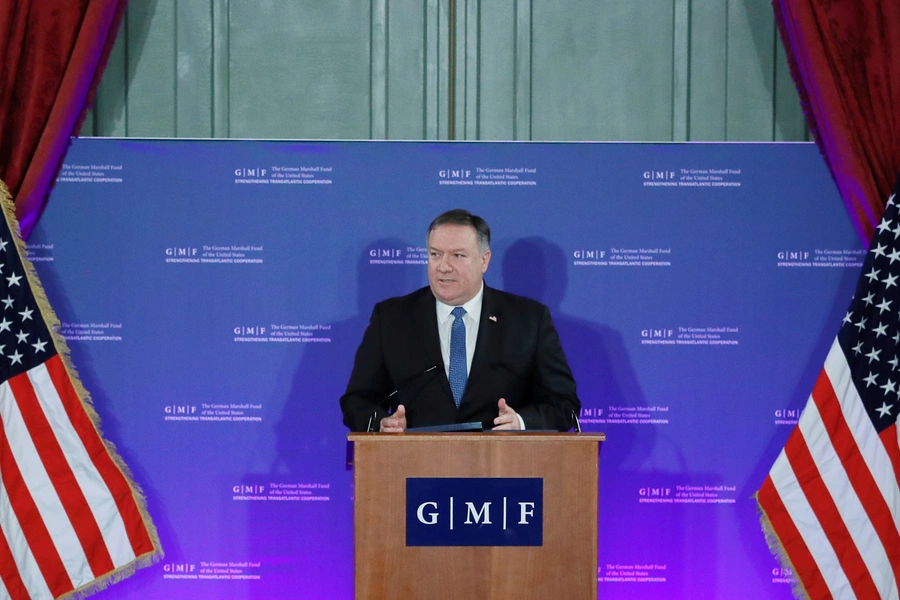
{"type": "Point", "coordinates": [471, 319]}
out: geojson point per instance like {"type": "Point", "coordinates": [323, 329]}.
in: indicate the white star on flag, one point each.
{"type": "Point", "coordinates": [71, 520]}
{"type": "Point", "coordinates": [831, 502]}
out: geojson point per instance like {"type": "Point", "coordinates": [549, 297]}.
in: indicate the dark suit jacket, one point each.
{"type": "Point", "coordinates": [517, 357]}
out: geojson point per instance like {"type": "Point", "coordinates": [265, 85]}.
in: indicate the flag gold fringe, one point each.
{"type": "Point", "coordinates": [50, 318]}
{"type": "Point", "coordinates": [777, 549]}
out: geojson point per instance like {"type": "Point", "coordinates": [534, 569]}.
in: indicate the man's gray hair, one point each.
{"type": "Point", "coordinates": [460, 216]}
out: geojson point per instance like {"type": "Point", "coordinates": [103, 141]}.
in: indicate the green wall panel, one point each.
{"type": "Point", "coordinates": [193, 69]}
{"type": "Point", "coordinates": [602, 70]}
{"type": "Point", "coordinates": [107, 118]}
{"type": "Point", "coordinates": [150, 69]}
{"type": "Point", "coordinates": [751, 71]}
{"type": "Point", "coordinates": [520, 69]}
{"type": "Point", "coordinates": [708, 70]}
{"type": "Point", "coordinates": [405, 81]}
{"type": "Point", "coordinates": [299, 69]}
{"type": "Point", "coordinates": [790, 125]}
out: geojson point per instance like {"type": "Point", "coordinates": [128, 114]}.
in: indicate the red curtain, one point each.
{"type": "Point", "coordinates": [52, 55]}
{"type": "Point", "coordinates": [845, 59]}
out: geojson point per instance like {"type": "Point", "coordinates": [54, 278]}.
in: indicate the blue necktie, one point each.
{"type": "Point", "coordinates": [458, 373]}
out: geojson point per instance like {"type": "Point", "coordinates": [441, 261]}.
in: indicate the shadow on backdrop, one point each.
{"type": "Point", "coordinates": [311, 443]}
{"type": "Point", "coordinates": [600, 363]}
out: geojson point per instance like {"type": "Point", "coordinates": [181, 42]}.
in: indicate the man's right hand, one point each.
{"type": "Point", "coordinates": [396, 423]}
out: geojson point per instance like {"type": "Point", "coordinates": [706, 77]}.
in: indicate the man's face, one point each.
{"type": "Point", "coordinates": [455, 264]}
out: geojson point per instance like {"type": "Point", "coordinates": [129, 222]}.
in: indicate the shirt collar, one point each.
{"type": "Point", "coordinates": [473, 306]}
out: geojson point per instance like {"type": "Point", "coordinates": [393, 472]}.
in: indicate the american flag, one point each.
{"type": "Point", "coordinates": [831, 503]}
{"type": "Point", "coordinates": [70, 519]}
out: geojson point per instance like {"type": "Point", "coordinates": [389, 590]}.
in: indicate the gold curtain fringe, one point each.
{"type": "Point", "coordinates": [778, 551]}
{"type": "Point", "coordinates": [84, 397]}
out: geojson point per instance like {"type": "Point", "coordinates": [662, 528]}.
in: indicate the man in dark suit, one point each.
{"type": "Point", "coordinates": [458, 351]}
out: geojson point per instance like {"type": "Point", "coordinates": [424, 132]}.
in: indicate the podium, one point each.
{"type": "Point", "coordinates": [494, 515]}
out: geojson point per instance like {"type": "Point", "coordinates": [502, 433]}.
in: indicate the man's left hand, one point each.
{"type": "Point", "coordinates": [507, 419]}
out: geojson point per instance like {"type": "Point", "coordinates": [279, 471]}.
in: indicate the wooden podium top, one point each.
{"type": "Point", "coordinates": [531, 436]}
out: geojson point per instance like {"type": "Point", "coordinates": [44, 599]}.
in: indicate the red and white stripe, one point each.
{"type": "Point", "coordinates": [832, 496]}
{"type": "Point", "coordinates": [67, 513]}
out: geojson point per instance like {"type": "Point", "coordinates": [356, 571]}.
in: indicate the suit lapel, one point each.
{"type": "Point", "coordinates": [426, 323]}
{"type": "Point", "coordinates": [487, 347]}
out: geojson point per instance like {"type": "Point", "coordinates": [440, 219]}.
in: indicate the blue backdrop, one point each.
{"type": "Point", "coordinates": [213, 294]}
